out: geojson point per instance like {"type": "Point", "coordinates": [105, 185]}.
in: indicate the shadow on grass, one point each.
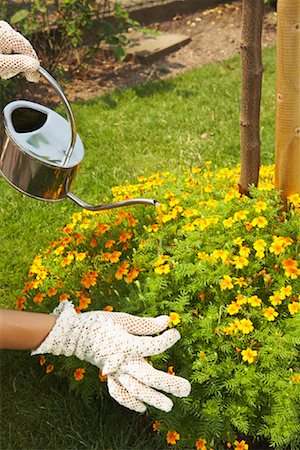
{"type": "Point", "coordinates": [37, 413]}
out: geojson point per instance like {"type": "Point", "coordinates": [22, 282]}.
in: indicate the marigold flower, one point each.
{"type": "Point", "coordinates": [174, 318]}
{"type": "Point", "coordinates": [156, 425]}
{"type": "Point", "coordinates": [20, 302]}
{"type": "Point", "coordinates": [165, 269]}
{"type": "Point", "coordinates": [240, 281]}
{"type": "Point", "coordinates": [240, 215]}
{"type": "Point", "coordinates": [228, 222]}
{"type": "Point", "coordinates": [233, 308]}
{"type": "Point", "coordinates": [153, 228]}
{"type": "Point", "coordinates": [238, 241]}
{"type": "Point", "coordinates": [42, 360]}
{"type": "Point", "coordinates": [291, 268]}
{"type": "Point", "coordinates": [285, 291]}
{"type": "Point", "coordinates": [125, 235]}
{"type": "Point", "coordinates": [63, 297]}
{"type": "Point", "coordinates": [161, 260]}
{"type": "Point", "coordinates": [39, 298]}
{"type": "Point", "coordinates": [260, 206]}
{"type": "Point", "coordinates": [170, 370]}
{"type": "Point", "coordinates": [239, 262]}
{"type": "Point", "coordinates": [296, 378]}
{"type": "Point", "coordinates": [52, 291]}
{"type": "Point", "coordinates": [294, 307]}
{"type": "Point", "coordinates": [79, 374]}
{"type": "Point", "coordinates": [270, 313]}
{"type": "Point", "coordinates": [84, 302]}
{"type": "Point", "coordinates": [249, 355]}
{"type": "Point", "coordinates": [246, 326]}
{"type": "Point", "coordinates": [294, 199]}
{"type": "Point", "coordinates": [134, 273]}
{"type": "Point", "coordinates": [172, 437]}
{"type": "Point", "coordinates": [102, 377]}
{"type": "Point", "coordinates": [226, 283]}
{"type": "Point", "coordinates": [81, 256]}
{"type": "Point", "coordinates": [241, 445]}
{"type": "Point", "coordinates": [200, 444]}
{"type": "Point", "coordinates": [275, 299]}
{"type": "Point", "coordinates": [260, 246]}
{"type": "Point", "coordinates": [49, 368]}
{"type": "Point", "coordinates": [260, 222]}
{"type": "Point", "coordinates": [122, 270]}
{"type": "Point", "coordinates": [254, 301]}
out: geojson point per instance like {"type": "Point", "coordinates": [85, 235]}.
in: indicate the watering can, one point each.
{"type": "Point", "coordinates": [41, 152]}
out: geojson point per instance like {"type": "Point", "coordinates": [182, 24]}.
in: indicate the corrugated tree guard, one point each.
{"type": "Point", "coordinates": [287, 153]}
{"type": "Point", "coordinates": [252, 70]}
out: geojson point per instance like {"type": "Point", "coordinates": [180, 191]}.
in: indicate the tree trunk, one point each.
{"type": "Point", "coordinates": [252, 70]}
{"type": "Point", "coordinates": [287, 152]}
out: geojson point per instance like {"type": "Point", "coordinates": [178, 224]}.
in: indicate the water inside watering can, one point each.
{"type": "Point", "coordinates": [44, 136]}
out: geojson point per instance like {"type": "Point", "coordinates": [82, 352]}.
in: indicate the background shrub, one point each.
{"type": "Point", "coordinates": [225, 268]}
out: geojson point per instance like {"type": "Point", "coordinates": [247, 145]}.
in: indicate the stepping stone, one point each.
{"type": "Point", "coordinates": [147, 47]}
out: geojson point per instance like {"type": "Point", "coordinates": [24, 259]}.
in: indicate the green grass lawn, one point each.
{"type": "Point", "coordinates": [167, 125]}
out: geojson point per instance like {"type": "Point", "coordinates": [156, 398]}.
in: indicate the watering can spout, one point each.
{"type": "Point", "coordinates": [106, 206]}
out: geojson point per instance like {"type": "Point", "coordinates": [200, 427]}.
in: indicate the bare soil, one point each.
{"type": "Point", "coordinates": [215, 36]}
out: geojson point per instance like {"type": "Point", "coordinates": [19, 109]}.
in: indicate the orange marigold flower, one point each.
{"type": "Point", "coordinates": [122, 270]}
{"type": "Point", "coordinates": [63, 297]}
{"type": "Point", "coordinates": [108, 308]}
{"type": "Point", "coordinates": [200, 444]}
{"type": "Point", "coordinates": [42, 360]}
{"type": "Point", "coordinates": [79, 374]}
{"type": "Point", "coordinates": [134, 273]}
{"type": "Point", "coordinates": [109, 243]}
{"type": "Point", "coordinates": [241, 445]}
{"type": "Point", "coordinates": [101, 229]}
{"type": "Point", "coordinates": [52, 291]}
{"type": "Point", "coordinates": [291, 268]}
{"type": "Point", "coordinates": [49, 368]}
{"type": "Point", "coordinates": [20, 302]}
{"type": "Point", "coordinates": [156, 425]}
{"type": "Point", "coordinates": [170, 370]}
{"type": "Point", "coordinates": [84, 303]}
{"type": "Point", "coordinates": [172, 437]}
{"type": "Point", "coordinates": [125, 235]}
{"type": "Point", "coordinates": [296, 378]}
{"type": "Point", "coordinates": [115, 256]}
{"type": "Point", "coordinates": [102, 377]}
{"type": "Point", "coordinates": [39, 298]}
{"type": "Point", "coordinates": [93, 243]}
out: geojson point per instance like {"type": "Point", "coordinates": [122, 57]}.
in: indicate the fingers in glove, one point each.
{"type": "Point", "coordinates": [145, 394]}
{"type": "Point", "coordinates": [122, 396]}
{"type": "Point", "coordinates": [11, 65]}
{"type": "Point", "coordinates": [14, 42]}
{"type": "Point", "coordinates": [142, 326]}
{"type": "Point", "coordinates": [162, 381]}
{"type": "Point", "coordinates": [112, 363]}
{"type": "Point", "coordinates": [150, 346]}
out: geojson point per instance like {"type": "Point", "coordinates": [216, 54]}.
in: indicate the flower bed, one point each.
{"type": "Point", "coordinates": [225, 268]}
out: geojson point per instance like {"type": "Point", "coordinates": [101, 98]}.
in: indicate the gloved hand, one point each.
{"type": "Point", "coordinates": [16, 54]}
{"type": "Point", "coordinates": [117, 343]}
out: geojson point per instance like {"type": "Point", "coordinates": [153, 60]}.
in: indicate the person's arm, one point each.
{"type": "Point", "coordinates": [20, 330]}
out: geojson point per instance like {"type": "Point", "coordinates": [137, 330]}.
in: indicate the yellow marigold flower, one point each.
{"type": "Point", "coordinates": [170, 370]}
{"type": "Point", "coordinates": [165, 269]}
{"type": "Point", "coordinates": [189, 227]}
{"type": "Point", "coordinates": [238, 241]}
{"type": "Point", "coordinates": [241, 300]}
{"type": "Point", "coordinates": [241, 215]}
{"type": "Point", "coordinates": [202, 256]}
{"type": "Point", "coordinates": [79, 374]}
{"type": "Point", "coordinates": [156, 425]}
{"type": "Point", "coordinates": [161, 260]}
{"type": "Point", "coordinates": [233, 308]}
{"type": "Point", "coordinates": [190, 213]}
{"type": "Point", "coordinates": [260, 222]}
{"type": "Point", "coordinates": [174, 318]}
{"type": "Point", "coordinates": [174, 201]}
{"type": "Point", "coordinates": [240, 281]}
{"type": "Point", "coordinates": [294, 307]}
{"type": "Point", "coordinates": [270, 313]}
{"type": "Point", "coordinates": [241, 445]}
{"type": "Point", "coordinates": [239, 262]}
{"type": "Point", "coordinates": [260, 245]}
{"type": "Point", "coordinates": [222, 254]}
{"type": "Point", "coordinates": [200, 444]}
{"type": "Point", "coordinates": [275, 299]}
{"type": "Point", "coordinates": [295, 200]}
{"type": "Point", "coordinates": [226, 283]}
{"type": "Point", "coordinates": [296, 378]}
{"type": "Point", "coordinates": [49, 368]}
{"type": "Point", "coordinates": [254, 301]}
{"type": "Point", "coordinates": [249, 356]}
{"type": "Point", "coordinates": [233, 193]}
{"type": "Point", "coordinates": [260, 206]}
{"type": "Point", "coordinates": [285, 291]}
{"type": "Point", "coordinates": [228, 222]}
{"type": "Point", "coordinates": [81, 256]}
{"type": "Point", "coordinates": [246, 326]}
{"type": "Point", "coordinates": [153, 228]}
{"type": "Point", "coordinates": [172, 437]}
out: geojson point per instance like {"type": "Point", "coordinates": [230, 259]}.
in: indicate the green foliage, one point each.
{"type": "Point", "coordinates": [66, 33]}
{"type": "Point", "coordinates": [224, 268]}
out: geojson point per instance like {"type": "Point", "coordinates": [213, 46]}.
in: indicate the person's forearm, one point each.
{"type": "Point", "coordinates": [20, 330]}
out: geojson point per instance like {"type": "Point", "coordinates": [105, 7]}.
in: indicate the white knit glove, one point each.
{"type": "Point", "coordinates": [117, 343]}
{"type": "Point", "coordinates": [16, 54]}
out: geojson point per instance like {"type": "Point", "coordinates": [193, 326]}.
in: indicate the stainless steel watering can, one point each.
{"type": "Point", "coordinates": [41, 151]}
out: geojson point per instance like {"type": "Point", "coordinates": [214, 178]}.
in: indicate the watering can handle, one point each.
{"type": "Point", "coordinates": [69, 111]}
